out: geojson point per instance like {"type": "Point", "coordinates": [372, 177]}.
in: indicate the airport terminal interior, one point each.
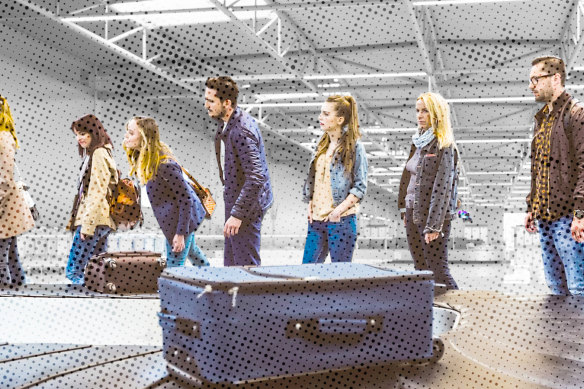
{"type": "Point", "coordinates": [116, 59]}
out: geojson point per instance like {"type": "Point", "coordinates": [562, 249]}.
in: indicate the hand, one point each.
{"type": "Point", "coordinates": [231, 227]}
{"type": "Point", "coordinates": [310, 212]}
{"type": "Point", "coordinates": [578, 230]}
{"type": "Point", "coordinates": [334, 216]}
{"type": "Point", "coordinates": [82, 236]}
{"type": "Point", "coordinates": [178, 243]}
{"type": "Point", "coordinates": [430, 236]}
{"type": "Point", "coordinates": [403, 216]}
{"type": "Point", "coordinates": [530, 225]}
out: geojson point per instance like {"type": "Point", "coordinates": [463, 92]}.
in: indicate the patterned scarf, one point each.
{"type": "Point", "coordinates": [423, 139]}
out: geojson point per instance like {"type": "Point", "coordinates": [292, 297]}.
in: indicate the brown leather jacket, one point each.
{"type": "Point", "coordinates": [436, 186]}
{"type": "Point", "coordinates": [566, 158]}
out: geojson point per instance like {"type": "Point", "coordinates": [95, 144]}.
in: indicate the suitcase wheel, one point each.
{"type": "Point", "coordinates": [111, 286]}
{"type": "Point", "coordinates": [162, 262]}
{"type": "Point", "coordinates": [437, 350]}
{"type": "Point", "coordinates": [111, 263]}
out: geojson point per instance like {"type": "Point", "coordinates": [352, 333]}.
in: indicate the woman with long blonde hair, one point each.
{"type": "Point", "coordinates": [427, 193]}
{"type": "Point", "coordinates": [15, 216]}
{"type": "Point", "coordinates": [177, 208]}
{"type": "Point", "coordinates": [336, 183]}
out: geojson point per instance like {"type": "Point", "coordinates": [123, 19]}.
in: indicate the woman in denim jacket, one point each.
{"type": "Point", "coordinates": [336, 183]}
{"type": "Point", "coordinates": [427, 192]}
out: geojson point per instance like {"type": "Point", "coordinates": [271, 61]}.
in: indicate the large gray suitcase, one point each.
{"type": "Point", "coordinates": [240, 324]}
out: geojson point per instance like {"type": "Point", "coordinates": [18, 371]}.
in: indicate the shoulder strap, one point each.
{"type": "Point", "coordinates": [195, 182]}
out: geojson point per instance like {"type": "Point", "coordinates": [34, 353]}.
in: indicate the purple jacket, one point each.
{"type": "Point", "coordinates": [248, 190]}
{"type": "Point", "coordinates": [176, 207]}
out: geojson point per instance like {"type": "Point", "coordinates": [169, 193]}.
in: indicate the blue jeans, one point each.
{"type": "Point", "coordinates": [563, 257]}
{"type": "Point", "coordinates": [82, 250]}
{"type": "Point", "coordinates": [338, 238]}
{"type": "Point", "coordinates": [191, 250]}
{"type": "Point", "coordinates": [11, 271]}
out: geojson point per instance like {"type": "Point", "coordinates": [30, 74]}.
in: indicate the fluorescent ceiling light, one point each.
{"type": "Point", "coordinates": [575, 87]}
{"type": "Point", "coordinates": [459, 2]}
{"type": "Point", "coordinates": [285, 96]}
{"type": "Point", "coordinates": [518, 99]}
{"type": "Point", "coordinates": [192, 12]}
{"type": "Point", "coordinates": [300, 95]}
{"type": "Point", "coordinates": [491, 172]}
{"type": "Point", "coordinates": [280, 105]}
{"type": "Point", "coordinates": [490, 184]}
{"type": "Point", "coordinates": [362, 75]}
{"type": "Point", "coordinates": [493, 141]}
{"type": "Point", "coordinates": [374, 130]}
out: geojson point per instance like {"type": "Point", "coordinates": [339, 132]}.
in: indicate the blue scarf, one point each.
{"type": "Point", "coordinates": [421, 140]}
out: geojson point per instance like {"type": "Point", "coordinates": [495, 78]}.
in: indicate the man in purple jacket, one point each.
{"type": "Point", "coordinates": [247, 188]}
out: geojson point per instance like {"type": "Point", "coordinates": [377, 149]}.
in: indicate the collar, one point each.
{"type": "Point", "coordinates": [234, 116]}
{"type": "Point", "coordinates": [557, 105]}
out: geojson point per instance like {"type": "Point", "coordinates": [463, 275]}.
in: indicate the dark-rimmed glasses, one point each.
{"type": "Point", "coordinates": [534, 80]}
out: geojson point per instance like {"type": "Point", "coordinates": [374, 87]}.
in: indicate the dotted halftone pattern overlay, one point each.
{"type": "Point", "coordinates": [67, 59]}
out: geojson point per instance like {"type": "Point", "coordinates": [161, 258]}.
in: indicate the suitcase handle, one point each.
{"type": "Point", "coordinates": [186, 326]}
{"type": "Point", "coordinates": [326, 329]}
{"type": "Point", "coordinates": [128, 254]}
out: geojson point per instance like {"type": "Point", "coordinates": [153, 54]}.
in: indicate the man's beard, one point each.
{"type": "Point", "coordinates": [544, 96]}
{"type": "Point", "coordinates": [220, 114]}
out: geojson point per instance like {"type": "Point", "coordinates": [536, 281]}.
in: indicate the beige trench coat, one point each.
{"type": "Point", "coordinates": [15, 216]}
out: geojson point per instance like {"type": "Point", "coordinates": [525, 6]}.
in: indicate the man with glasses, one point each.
{"type": "Point", "coordinates": [555, 204]}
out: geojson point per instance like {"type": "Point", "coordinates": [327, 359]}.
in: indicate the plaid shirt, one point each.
{"type": "Point", "coordinates": [541, 201]}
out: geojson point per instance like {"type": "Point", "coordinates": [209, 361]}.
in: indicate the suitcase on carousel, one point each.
{"type": "Point", "coordinates": [124, 272]}
{"type": "Point", "coordinates": [236, 324]}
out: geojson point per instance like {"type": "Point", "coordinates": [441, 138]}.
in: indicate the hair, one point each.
{"type": "Point", "coordinates": [226, 88]}
{"type": "Point", "coordinates": [90, 124]}
{"type": "Point", "coordinates": [6, 120]}
{"type": "Point", "coordinates": [439, 118]}
{"type": "Point", "coordinates": [552, 65]}
{"type": "Point", "coordinates": [145, 162]}
{"type": "Point", "coordinates": [345, 107]}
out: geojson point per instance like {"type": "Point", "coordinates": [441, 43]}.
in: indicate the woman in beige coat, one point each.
{"type": "Point", "coordinates": [15, 216]}
{"type": "Point", "coordinates": [90, 219]}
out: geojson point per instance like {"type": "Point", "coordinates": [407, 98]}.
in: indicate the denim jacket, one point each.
{"type": "Point", "coordinates": [341, 184]}
{"type": "Point", "coordinates": [436, 186]}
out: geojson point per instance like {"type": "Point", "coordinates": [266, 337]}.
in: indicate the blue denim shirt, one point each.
{"type": "Point", "coordinates": [342, 184]}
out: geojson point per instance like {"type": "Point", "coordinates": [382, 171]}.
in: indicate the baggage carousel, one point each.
{"type": "Point", "coordinates": [491, 341]}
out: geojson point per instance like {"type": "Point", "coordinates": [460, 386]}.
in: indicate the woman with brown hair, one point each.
{"type": "Point", "coordinates": [90, 217]}
{"type": "Point", "coordinates": [15, 216]}
{"type": "Point", "coordinates": [336, 183]}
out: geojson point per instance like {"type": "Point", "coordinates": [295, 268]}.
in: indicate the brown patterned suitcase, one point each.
{"type": "Point", "coordinates": [124, 272]}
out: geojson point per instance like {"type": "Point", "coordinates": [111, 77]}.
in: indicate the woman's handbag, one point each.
{"type": "Point", "coordinates": [204, 194]}
{"type": "Point", "coordinates": [23, 188]}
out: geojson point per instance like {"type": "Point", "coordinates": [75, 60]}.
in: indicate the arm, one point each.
{"type": "Point", "coordinates": [248, 151]}
{"type": "Point", "coordinates": [359, 188]}
{"type": "Point", "coordinates": [177, 188]}
{"type": "Point", "coordinates": [441, 191]}
{"type": "Point", "coordinates": [577, 124]}
{"type": "Point", "coordinates": [97, 190]}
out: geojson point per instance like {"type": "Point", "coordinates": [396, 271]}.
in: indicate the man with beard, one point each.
{"type": "Point", "coordinates": [247, 188]}
{"type": "Point", "coordinates": [555, 204]}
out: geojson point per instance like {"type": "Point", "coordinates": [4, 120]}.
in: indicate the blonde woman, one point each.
{"type": "Point", "coordinates": [91, 221]}
{"type": "Point", "coordinates": [427, 192]}
{"type": "Point", "coordinates": [15, 216]}
{"type": "Point", "coordinates": [177, 208]}
{"type": "Point", "coordinates": [336, 183]}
